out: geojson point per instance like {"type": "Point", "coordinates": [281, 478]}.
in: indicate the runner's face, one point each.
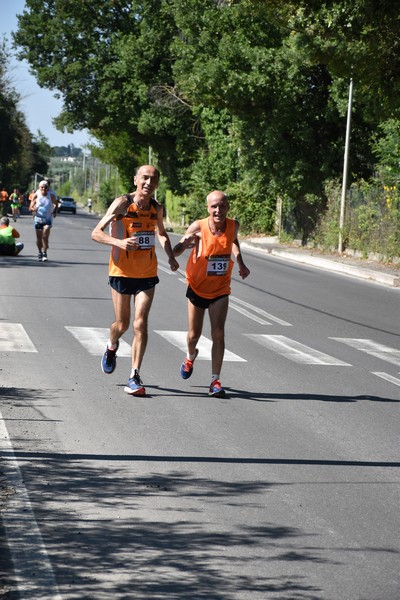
{"type": "Point", "coordinates": [218, 208]}
{"type": "Point", "coordinates": [146, 181]}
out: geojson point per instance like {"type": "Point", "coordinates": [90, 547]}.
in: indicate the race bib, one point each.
{"type": "Point", "coordinates": [145, 239]}
{"type": "Point", "coordinates": [41, 220]}
{"type": "Point", "coordinates": [217, 265]}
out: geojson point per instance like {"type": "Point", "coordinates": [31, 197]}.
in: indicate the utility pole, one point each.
{"type": "Point", "coordinates": [345, 168]}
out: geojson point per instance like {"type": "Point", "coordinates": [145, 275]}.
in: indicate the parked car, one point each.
{"type": "Point", "coordinates": [66, 204]}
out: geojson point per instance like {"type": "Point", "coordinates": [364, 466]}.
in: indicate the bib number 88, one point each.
{"type": "Point", "coordinates": [145, 239]}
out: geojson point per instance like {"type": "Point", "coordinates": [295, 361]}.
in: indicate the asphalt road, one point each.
{"type": "Point", "coordinates": [286, 489]}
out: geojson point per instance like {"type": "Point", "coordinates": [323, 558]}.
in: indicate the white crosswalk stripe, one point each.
{"type": "Point", "coordinates": [387, 377]}
{"type": "Point", "coordinates": [13, 338]}
{"type": "Point", "coordinates": [295, 351]}
{"type": "Point", "coordinates": [178, 339]}
{"type": "Point", "coordinates": [386, 353]}
{"type": "Point", "coordinates": [94, 339]}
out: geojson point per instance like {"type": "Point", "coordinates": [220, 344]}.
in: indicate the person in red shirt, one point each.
{"type": "Point", "coordinates": [208, 273]}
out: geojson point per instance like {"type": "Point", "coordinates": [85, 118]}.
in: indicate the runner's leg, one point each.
{"type": "Point", "coordinates": [143, 302]}
{"type": "Point", "coordinates": [195, 319]}
{"type": "Point", "coordinates": [218, 311]}
{"type": "Point", "coordinates": [122, 311]}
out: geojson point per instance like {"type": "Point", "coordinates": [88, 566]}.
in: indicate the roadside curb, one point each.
{"type": "Point", "coordinates": [325, 263]}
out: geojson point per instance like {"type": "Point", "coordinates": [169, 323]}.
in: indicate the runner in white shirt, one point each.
{"type": "Point", "coordinates": [44, 208]}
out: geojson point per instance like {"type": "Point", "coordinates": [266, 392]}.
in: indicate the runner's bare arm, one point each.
{"type": "Point", "coordinates": [55, 204]}
{"type": "Point", "coordinates": [164, 240]}
{"type": "Point", "coordinates": [188, 240]}
{"type": "Point", "coordinates": [243, 270]}
{"type": "Point", "coordinates": [117, 209]}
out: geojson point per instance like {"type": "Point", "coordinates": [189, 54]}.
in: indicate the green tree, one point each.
{"type": "Point", "coordinates": [245, 94]}
{"type": "Point", "coordinates": [20, 153]}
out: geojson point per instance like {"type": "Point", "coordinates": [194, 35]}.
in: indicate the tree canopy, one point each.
{"type": "Point", "coordinates": [245, 95]}
{"type": "Point", "coordinates": [21, 154]}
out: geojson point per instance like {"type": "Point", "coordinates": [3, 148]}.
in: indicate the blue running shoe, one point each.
{"type": "Point", "coordinates": [187, 367]}
{"type": "Point", "coordinates": [216, 389]}
{"type": "Point", "coordinates": [109, 360]}
{"type": "Point", "coordinates": [135, 386]}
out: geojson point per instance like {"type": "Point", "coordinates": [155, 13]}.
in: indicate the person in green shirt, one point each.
{"type": "Point", "coordinates": [8, 235]}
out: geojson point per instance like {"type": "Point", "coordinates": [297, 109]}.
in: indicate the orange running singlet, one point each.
{"type": "Point", "coordinates": [209, 268]}
{"type": "Point", "coordinates": [141, 224]}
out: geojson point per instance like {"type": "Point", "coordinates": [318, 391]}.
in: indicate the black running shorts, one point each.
{"type": "Point", "coordinates": [199, 301]}
{"type": "Point", "coordinates": [132, 285]}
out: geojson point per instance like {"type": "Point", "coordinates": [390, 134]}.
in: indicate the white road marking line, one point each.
{"type": "Point", "coordinates": [178, 339]}
{"type": "Point", "coordinates": [385, 353]}
{"type": "Point", "coordinates": [165, 269]}
{"type": "Point", "coordinates": [25, 542]}
{"type": "Point", "coordinates": [94, 339]}
{"type": "Point", "coordinates": [248, 314]}
{"type": "Point", "coordinates": [13, 338]}
{"type": "Point", "coordinates": [233, 300]}
{"type": "Point", "coordinates": [295, 351]}
{"type": "Point", "coordinates": [388, 377]}
{"type": "Point", "coordinates": [259, 311]}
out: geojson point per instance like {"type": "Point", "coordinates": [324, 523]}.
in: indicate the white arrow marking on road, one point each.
{"type": "Point", "coordinates": [94, 339]}
{"type": "Point", "coordinates": [294, 350]}
{"type": "Point", "coordinates": [386, 353]}
{"type": "Point", "coordinates": [388, 377]}
{"type": "Point", "coordinates": [13, 338]}
{"type": "Point", "coordinates": [178, 339]}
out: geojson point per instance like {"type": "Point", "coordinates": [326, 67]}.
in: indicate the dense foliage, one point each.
{"type": "Point", "coordinates": [21, 154]}
{"type": "Point", "coordinates": [249, 96]}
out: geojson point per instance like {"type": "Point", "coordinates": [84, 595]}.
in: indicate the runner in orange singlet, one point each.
{"type": "Point", "coordinates": [208, 274]}
{"type": "Point", "coordinates": [133, 221]}
{"type": "Point", "coordinates": [3, 200]}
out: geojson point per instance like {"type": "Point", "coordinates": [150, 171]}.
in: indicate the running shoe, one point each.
{"type": "Point", "coordinates": [40, 257]}
{"type": "Point", "coordinates": [109, 360]}
{"type": "Point", "coordinates": [135, 386]}
{"type": "Point", "coordinates": [187, 366]}
{"type": "Point", "coordinates": [44, 257]}
{"type": "Point", "coordinates": [216, 390]}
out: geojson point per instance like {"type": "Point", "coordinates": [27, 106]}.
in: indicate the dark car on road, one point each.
{"type": "Point", "coordinates": [66, 204]}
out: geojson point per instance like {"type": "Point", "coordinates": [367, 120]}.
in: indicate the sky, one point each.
{"type": "Point", "coordinates": [38, 105]}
